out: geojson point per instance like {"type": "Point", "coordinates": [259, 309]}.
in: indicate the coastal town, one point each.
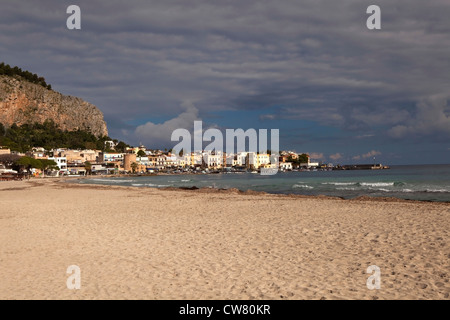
{"type": "Point", "coordinates": [140, 160]}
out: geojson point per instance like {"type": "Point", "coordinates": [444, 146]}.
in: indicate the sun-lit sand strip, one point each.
{"type": "Point", "coordinates": [158, 244]}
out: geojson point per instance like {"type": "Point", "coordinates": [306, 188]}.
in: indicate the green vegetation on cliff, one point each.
{"type": "Point", "coordinates": [49, 136]}
{"type": "Point", "coordinates": [7, 70]}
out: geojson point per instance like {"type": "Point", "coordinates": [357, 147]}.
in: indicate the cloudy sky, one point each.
{"type": "Point", "coordinates": [310, 68]}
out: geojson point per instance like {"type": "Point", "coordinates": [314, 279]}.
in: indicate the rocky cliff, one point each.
{"type": "Point", "coordinates": [23, 102]}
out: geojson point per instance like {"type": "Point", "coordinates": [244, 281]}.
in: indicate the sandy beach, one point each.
{"type": "Point", "coordinates": [138, 243]}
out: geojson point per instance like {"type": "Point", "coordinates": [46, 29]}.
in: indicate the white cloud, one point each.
{"type": "Point", "coordinates": [364, 136]}
{"type": "Point", "coordinates": [324, 115]}
{"type": "Point", "coordinates": [378, 117]}
{"type": "Point", "coordinates": [367, 155]}
{"type": "Point", "coordinates": [336, 156]}
{"type": "Point", "coordinates": [154, 134]}
{"type": "Point", "coordinates": [316, 156]}
{"type": "Point", "coordinates": [432, 117]}
{"type": "Point", "coordinates": [268, 117]}
{"type": "Point", "coordinates": [371, 154]}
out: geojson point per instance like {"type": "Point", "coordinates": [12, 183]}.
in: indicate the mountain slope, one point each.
{"type": "Point", "coordinates": [23, 102]}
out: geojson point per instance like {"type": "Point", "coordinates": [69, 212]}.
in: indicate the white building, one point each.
{"type": "Point", "coordinates": [256, 161]}
{"type": "Point", "coordinates": [241, 159]}
{"type": "Point", "coordinates": [145, 161]}
{"type": "Point", "coordinates": [286, 165]}
{"type": "Point", "coordinates": [160, 162]}
{"type": "Point", "coordinates": [214, 160]}
{"type": "Point", "coordinates": [110, 144]}
{"type": "Point", "coordinates": [184, 161]}
{"type": "Point", "coordinates": [112, 157]}
{"type": "Point", "coordinates": [263, 160]}
{"type": "Point", "coordinates": [171, 160]}
{"type": "Point", "coordinates": [196, 159]}
{"type": "Point", "coordinates": [61, 163]}
{"type": "Point", "coordinates": [310, 165]}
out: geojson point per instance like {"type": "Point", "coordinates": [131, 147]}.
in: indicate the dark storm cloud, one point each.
{"type": "Point", "coordinates": [315, 60]}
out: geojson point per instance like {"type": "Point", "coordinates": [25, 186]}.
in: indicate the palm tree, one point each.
{"type": "Point", "coordinates": [134, 167]}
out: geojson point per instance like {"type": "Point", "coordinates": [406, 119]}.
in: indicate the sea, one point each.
{"type": "Point", "coordinates": [414, 182]}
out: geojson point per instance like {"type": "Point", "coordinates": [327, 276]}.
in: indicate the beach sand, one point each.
{"type": "Point", "coordinates": [136, 243]}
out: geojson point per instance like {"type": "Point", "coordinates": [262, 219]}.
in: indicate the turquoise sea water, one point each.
{"type": "Point", "coordinates": [426, 182]}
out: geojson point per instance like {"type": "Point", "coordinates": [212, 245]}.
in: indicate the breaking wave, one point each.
{"type": "Point", "coordinates": [150, 185]}
{"type": "Point", "coordinates": [377, 184]}
{"type": "Point", "coordinates": [302, 186]}
{"type": "Point", "coordinates": [341, 183]}
{"type": "Point", "coordinates": [112, 180]}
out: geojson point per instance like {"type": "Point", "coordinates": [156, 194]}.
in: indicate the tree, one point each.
{"type": "Point", "coordinates": [134, 167]}
{"type": "Point", "coordinates": [303, 158]}
{"type": "Point", "coordinates": [9, 160]}
{"type": "Point", "coordinates": [24, 163]}
{"type": "Point", "coordinates": [141, 154]}
{"type": "Point", "coordinates": [88, 167]}
{"type": "Point", "coordinates": [35, 163]}
{"type": "Point", "coordinates": [90, 145]}
{"type": "Point", "coordinates": [48, 165]}
{"type": "Point", "coordinates": [6, 69]}
{"type": "Point", "coordinates": [50, 136]}
{"type": "Point", "coordinates": [27, 163]}
{"type": "Point", "coordinates": [121, 147]}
